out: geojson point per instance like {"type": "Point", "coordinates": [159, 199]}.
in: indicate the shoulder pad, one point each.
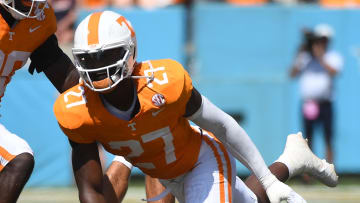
{"type": "Point", "coordinates": [67, 108]}
{"type": "Point", "coordinates": [170, 79]}
{"type": "Point", "coordinates": [48, 19]}
{"type": "Point", "coordinates": [71, 113]}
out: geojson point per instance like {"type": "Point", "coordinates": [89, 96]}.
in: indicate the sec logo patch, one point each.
{"type": "Point", "coordinates": [158, 100]}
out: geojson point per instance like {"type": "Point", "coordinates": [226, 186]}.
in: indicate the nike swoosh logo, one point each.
{"type": "Point", "coordinates": [33, 29]}
{"type": "Point", "coordinates": [155, 113]}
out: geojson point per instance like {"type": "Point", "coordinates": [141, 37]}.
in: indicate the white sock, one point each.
{"type": "Point", "coordinates": [288, 164]}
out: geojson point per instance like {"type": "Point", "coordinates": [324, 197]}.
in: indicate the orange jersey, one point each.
{"type": "Point", "coordinates": [158, 139]}
{"type": "Point", "coordinates": [17, 43]}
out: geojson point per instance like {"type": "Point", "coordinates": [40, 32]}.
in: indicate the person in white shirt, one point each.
{"type": "Point", "coordinates": [316, 67]}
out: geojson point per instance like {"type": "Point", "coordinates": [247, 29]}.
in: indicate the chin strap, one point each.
{"type": "Point", "coordinates": [149, 78]}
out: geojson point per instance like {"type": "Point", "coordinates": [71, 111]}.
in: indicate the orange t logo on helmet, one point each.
{"type": "Point", "coordinates": [123, 20]}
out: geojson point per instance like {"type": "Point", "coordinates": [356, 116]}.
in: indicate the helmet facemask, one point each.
{"type": "Point", "coordinates": [21, 9]}
{"type": "Point", "coordinates": [107, 62]}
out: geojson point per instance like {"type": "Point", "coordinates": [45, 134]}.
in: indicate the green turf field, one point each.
{"type": "Point", "coordinates": [348, 191]}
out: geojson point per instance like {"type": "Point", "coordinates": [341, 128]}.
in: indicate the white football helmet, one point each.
{"type": "Point", "coordinates": [21, 9]}
{"type": "Point", "coordinates": [104, 42]}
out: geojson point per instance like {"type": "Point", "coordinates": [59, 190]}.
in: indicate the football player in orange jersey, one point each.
{"type": "Point", "coordinates": [27, 30]}
{"type": "Point", "coordinates": [141, 111]}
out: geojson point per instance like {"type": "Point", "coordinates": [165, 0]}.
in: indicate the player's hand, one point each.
{"type": "Point", "coordinates": [278, 191]}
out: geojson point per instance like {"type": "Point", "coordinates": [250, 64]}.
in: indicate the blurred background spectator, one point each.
{"type": "Point", "coordinates": [121, 3]}
{"type": "Point", "coordinates": [65, 12]}
{"type": "Point", "coordinates": [247, 2]}
{"type": "Point", "coordinates": [93, 4]}
{"type": "Point", "coordinates": [153, 4]}
{"type": "Point", "coordinates": [317, 65]}
{"type": "Point", "coordinates": [340, 3]}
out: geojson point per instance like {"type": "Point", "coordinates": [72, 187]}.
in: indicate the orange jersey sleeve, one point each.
{"type": "Point", "coordinates": [158, 139]}
{"type": "Point", "coordinates": [170, 79]}
{"type": "Point", "coordinates": [71, 117]}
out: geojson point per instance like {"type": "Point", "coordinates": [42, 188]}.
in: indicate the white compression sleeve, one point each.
{"type": "Point", "coordinates": [228, 131]}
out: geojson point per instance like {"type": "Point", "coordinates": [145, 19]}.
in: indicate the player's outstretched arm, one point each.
{"type": "Point", "coordinates": [154, 188]}
{"type": "Point", "coordinates": [57, 66]}
{"type": "Point", "coordinates": [118, 175]}
{"type": "Point", "coordinates": [88, 172]}
{"type": "Point", "coordinates": [236, 140]}
{"type": "Point", "coordinates": [62, 74]}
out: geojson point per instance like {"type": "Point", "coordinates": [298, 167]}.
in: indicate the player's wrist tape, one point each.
{"type": "Point", "coordinates": [267, 180]}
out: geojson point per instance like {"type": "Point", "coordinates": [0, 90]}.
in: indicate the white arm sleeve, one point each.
{"type": "Point", "coordinates": [228, 131]}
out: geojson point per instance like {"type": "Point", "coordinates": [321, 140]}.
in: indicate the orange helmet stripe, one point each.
{"type": "Point", "coordinates": [93, 27]}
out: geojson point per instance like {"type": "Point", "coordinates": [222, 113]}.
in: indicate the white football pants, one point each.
{"type": "Point", "coordinates": [212, 180]}
{"type": "Point", "coordinates": [10, 146]}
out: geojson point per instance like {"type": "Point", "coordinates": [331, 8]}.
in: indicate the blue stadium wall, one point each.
{"type": "Point", "coordinates": [241, 61]}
